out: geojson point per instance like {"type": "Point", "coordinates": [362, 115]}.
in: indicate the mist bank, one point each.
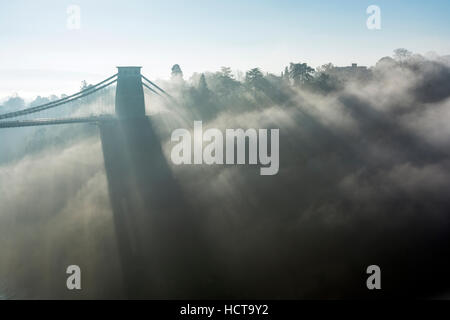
{"type": "Point", "coordinates": [363, 179]}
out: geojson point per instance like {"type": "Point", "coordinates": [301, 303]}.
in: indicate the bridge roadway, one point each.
{"type": "Point", "coordinates": [45, 122]}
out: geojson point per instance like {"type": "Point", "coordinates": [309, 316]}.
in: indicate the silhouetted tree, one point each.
{"type": "Point", "coordinates": [226, 81]}
{"type": "Point", "coordinates": [385, 62]}
{"type": "Point", "coordinates": [85, 85]}
{"type": "Point", "coordinates": [39, 101]}
{"type": "Point", "coordinates": [325, 82]}
{"type": "Point", "coordinates": [13, 104]}
{"type": "Point", "coordinates": [254, 77]}
{"type": "Point", "coordinates": [176, 71]}
{"type": "Point", "coordinates": [325, 68]}
{"type": "Point", "coordinates": [402, 54]}
{"type": "Point", "coordinates": [285, 75]}
{"type": "Point", "coordinates": [203, 86]}
{"type": "Point", "coordinates": [226, 72]}
{"type": "Point", "coordinates": [300, 73]}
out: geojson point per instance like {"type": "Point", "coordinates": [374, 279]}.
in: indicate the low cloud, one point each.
{"type": "Point", "coordinates": [363, 180]}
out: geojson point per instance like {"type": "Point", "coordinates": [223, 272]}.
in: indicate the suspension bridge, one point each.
{"type": "Point", "coordinates": [162, 253]}
{"type": "Point", "coordinates": [94, 104]}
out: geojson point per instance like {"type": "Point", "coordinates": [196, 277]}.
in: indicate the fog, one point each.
{"type": "Point", "coordinates": [363, 179]}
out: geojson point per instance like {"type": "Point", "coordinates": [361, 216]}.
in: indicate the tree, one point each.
{"type": "Point", "coordinates": [325, 82]}
{"type": "Point", "coordinates": [300, 73]}
{"type": "Point", "coordinates": [286, 74]}
{"type": "Point", "coordinates": [226, 72]}
{"type": "Point", "coordinates": [385, 62]}
{"type": "Point", "coordinates": [254, 77]}
{"type": "Point", "coordinates": [401, 54]}
{"type": "Point", "coordinates": [14, 103]}
{"type": "Point", "coordinates": [226, 81]}
{"type": "Point", "coordinates": [85, 85]}
{"type": "Point", "coordinates": [39, 101]}
{"type": "Point", "coordinates": [203, 86]}
{"type": "Point", "coordinates": [176, 71]}
{"type": "Point", "coordinates": [325, 68]}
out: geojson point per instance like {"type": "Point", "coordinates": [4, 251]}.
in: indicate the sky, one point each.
{"type": "Point", "coordinates": [40, 55]}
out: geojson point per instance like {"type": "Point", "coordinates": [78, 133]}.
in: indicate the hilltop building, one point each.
{"type": "Point", "coordinates": [353, 72]}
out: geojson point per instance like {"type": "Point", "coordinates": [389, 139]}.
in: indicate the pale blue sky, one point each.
{"type": "Point", "coordinates": [202, 35]}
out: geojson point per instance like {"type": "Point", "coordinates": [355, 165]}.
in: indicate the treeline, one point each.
{"type": "Point", "coordinates": [206, 94]}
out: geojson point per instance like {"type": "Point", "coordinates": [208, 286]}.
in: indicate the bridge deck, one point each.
{"type": "Point", "coordinates": [45, 122]}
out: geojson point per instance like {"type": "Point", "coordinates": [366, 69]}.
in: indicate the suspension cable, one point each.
{"type": "Point", "coordinates": [59, 102]}
{"type": "Point", "coordinates": [143, 77]}
{"type": "Point", "coordinates": [149, 88]}
{"type": "Point", "coordinates": [73, 99]}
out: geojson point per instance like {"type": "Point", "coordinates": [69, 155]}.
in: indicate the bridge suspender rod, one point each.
{"type": "Point", "coordinates": [73, 99]}
{"type": "Point", "coordinates": [33, 110]}
{"type": "Point", "coordinates": [143, 77]}
{"type": "Point", "coordinates": [149, 88]}
{"type": "Point", "coordinates": [59, 102]}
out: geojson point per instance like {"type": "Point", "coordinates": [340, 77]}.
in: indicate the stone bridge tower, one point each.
{"type": "Point", "coordinates": [130, 101]}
